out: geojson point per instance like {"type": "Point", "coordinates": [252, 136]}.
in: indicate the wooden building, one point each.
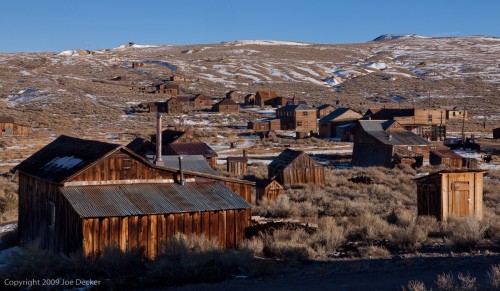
{"type": "Point", "coordinates": [234, 95]}
{"type": "Point", "coordinates": [83, 195]}
{"type": "Point", "coordinates": [451, 193]}
{"type": "Point", "coordinates": [323, 110]}
{"type": "Point", "coordinates": [263, 98]}
{"type": "Point", "coordinates": [329, 124]}
{"type": "Point", "coordinates": [376, 142]}
{"type": "Point", "coordinates": [446, 158]}
{"type": "Point", "coordinates": [297, 117]}
{"type": "Point", "coordinates": [457, 114]}
{"type": "Point", "coordinates": [201, 101]}
{"type": "Point", "coordinates": [429, 123]}
{"type": "Point", "coordinates": [166, 88]}
{"type": "Point", "coordinates": [296, 167]}
{"type": "Point", "coordinates": [9, 127]}
{"type": "Point", "coordinates": [264, 125]}
{"type": "Point", "coordinates": [237, 165]}
{"type": "Point", "coordinates": [268, 189]}
{"type": "Point", "coordinates": [226, 106]}
{"type": "Point", "coordinates": [173, 106]}
{"type": "Point", "coordinates": [177, 78]}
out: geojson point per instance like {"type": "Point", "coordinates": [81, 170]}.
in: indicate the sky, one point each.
{"type": "Point", "coordinates": [57, 25]}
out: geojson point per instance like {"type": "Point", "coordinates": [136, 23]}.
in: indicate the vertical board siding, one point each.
{"type": "Point", "coordinates": [151, 232]}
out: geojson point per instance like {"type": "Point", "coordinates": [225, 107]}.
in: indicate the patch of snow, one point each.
{"type": "Point", "coordinates": [398, 36]}
{"type": "Point", "coordinates": [377, 65]}
{"type": "Point", "coordinates": [124, 46]}
{"type": "Point", "coordinates": [66, 162]}
{"type": "Point", "coordinates": [275, 72]}
{"type": "Point", "coordinates": [187, 52]}
{"type": "Point", "coordinates": [25, 73]}
{"type": "Point", "coordinates": [266, 42]}
{"type": "Point", "coordinates": [69, 53]}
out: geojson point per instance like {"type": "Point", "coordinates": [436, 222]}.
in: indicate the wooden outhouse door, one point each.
{"type": "Point", "coordinates": [460, 199]}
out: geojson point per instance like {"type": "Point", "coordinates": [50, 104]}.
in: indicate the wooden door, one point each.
{"type": "Point", "coordinates": [460, 199]}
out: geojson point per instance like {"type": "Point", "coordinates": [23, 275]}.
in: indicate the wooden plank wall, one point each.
{"type": "Point", "coordinates": [17, 129]}
{"type": "Point", "coordinates": [244, 190]}
{"type": "Point", "coordinates": [150, 232]}
{"type": "Point", "coordinates": [238, 168]}
{"type": "Point", "coordinates": [270, 192]}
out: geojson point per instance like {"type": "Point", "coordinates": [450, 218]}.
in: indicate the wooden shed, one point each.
{"type": "Point", "coordinates": [323, 110]}
{"type": "Point", "coordinates": [84, 195]}
{"type": "Point", "coordinates": [451, 193]}
{"type": "Point", "coordinates": [173, 106]}
{"type": "Point", "coordinates": [201, 101]}
{"type": "Point", "coordinates": [226, 106]}
{"type": "Point", "coordinates": [9, 127]}
{"type": "Point", "coordinates": [296, 167]}
{"type": "Point", "coordinates": [237, 165]}
{"type": "Point", "coordinates": [250, 99]}
{"type": "Point", "coordinates": [446, 158]}
{"type": "Point", "coordinates": [269, 189]}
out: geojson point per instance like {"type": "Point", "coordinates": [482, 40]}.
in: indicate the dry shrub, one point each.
{"type": "Point", "coordinates": [414, 285]}
{"type": "Point", "coordinates": [280, 208]}
{"type": "Point", "coordinates": [254, 246]}
{"type": "Point", "coordinates": [465, 233]}
{"type": "Point", "coordinates": [374, 252]}
{"type": "Point", "coordinates": [370, 227]}
{"type": "Point", "coordinates": [408, 238]}
{"type": "Point", "coordinates": [446, 282]}
{"type": "Point", "coordinates": [467, 282]}
{"type": "Point", "coordinates": [288, 245]}
{"type": "Point", "coordinates": [33, 263]}
{"type": "Point", "coordinates": [329, 236]}
{"type": "Point", "coordinates": [494, 276]}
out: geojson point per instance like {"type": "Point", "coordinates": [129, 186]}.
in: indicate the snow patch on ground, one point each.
{"type": "Point", "coordinates": [266, 42]}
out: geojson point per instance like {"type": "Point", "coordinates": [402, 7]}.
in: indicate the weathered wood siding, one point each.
{"type": "Point", "coordinates": [270, 192]}
{"type": "Point", "coordinates": [120, 166]}
{"type": "Point", "coordinates": [36, 198]}
{"type": "Point", "coordinates": [13, 129]}
{"type": "Point", "coordinates": [244, 190]}
{"type": "Point", "coordinates": [149, 233]}
{"type": "Point", "coordinates": [236, 167]}
{"type": "Point", "coordinates": [451, 195]}
{"type": "Point", "coordinates": [301, 170]}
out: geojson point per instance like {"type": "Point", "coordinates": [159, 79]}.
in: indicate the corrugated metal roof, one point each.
{"type": "Point", "coordinates": [192, 148]}
{"type": "Point", "coordinates": [196, 163]}
{"type": "Point", "coordinates": [64, 157]}
{"type": "Point", "coordinates": [446, 154]}
{"type": "Point", "coordinates": [376, 125]}
{"type": "Point", "coordinates": [398, 138]}
{"type": "Point", "coordinates": [295, 107]}
{"type": "Point", "coordinates": [146, 199]}
{"type": "Point", "coordinates": [336, 114]}
{"type": "Point", "coordinates": [390, 113]}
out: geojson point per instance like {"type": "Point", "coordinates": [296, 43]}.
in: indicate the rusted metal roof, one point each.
{"type": "Point", "coordinates": [226, 101]}
{"type": "Point", "coordinates": [285, 158]}
{"type": "Point", "coordinates": [391, 113]}
{"type": "Point", "coordinates": [63, 158]}
{"type": "Point", "coordinates": [296, 108]}
{"type": "Point", "coordinates": [338, 113]}
{"type": "Point", "coordinates": [7, 119]}
{"type": "Point", "coordinates": [192, 148]}
{"type": "Point", "coordinates": [376, 125]}
{"type": "Point", "coordinates": [447, 154]}
{"type": "Point", "coordinates": [406, 138]}
{"type": "Point", "coordinates": [147, 199]}
{"type": "Point", "coordinates": [196, 163]}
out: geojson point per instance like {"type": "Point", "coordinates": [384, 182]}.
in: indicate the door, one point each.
{"type": "Point", "coordinates": [459, 199]}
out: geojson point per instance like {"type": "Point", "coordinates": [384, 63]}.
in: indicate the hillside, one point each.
{"type": "Point", "coordinates": [76, 92]}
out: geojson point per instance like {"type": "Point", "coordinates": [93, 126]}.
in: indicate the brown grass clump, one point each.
{"type": "Point", "coordinates": [288, 245]}
{"type": "Point", "coordinates": [374, 252]}
{"type": "Point", "coordinates": [414, 285]}
{"type": "Point", "coordinates": [494, 276]}
{"type": "Point", "coordinates": [466, 233]}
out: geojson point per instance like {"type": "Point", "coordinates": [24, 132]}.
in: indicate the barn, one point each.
{"type": "Point", "coordinates": [85, 195]}
{"type": "Point", "coordinates": [9, 127]}
{"type": "Point", "coordinates": [451, 193]}
{"type": "Point", "coordinates": [296, 167]}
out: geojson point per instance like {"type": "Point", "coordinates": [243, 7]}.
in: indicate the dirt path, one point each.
{"type": "Point", "coordinates": [388, 274]}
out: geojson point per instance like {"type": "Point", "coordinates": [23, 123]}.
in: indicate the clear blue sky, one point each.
{"type": "Point", "coordinates": [56, 25]}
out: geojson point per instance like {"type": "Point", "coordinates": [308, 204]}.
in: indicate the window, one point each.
{"type": "Point", "coordinates": [299, 123]}
{"type": "Point", "coordinates": [454, 113]}
{"type": "Point", "coordinates": [52, 215]}
{"type": "Point", "coordinates": [304, 113]}
{"type": "Point", "coordinates": [429, 118]}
